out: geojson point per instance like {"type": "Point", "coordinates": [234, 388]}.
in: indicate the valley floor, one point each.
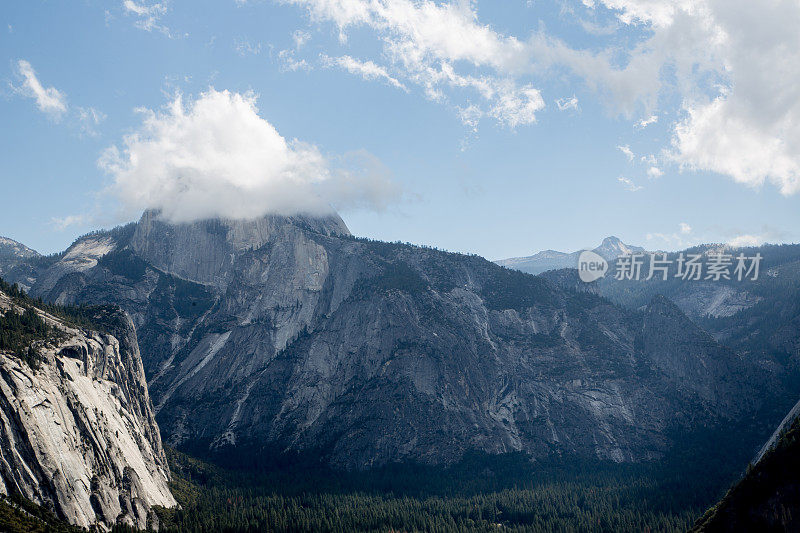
{"type": "Point", "coordinates": [509, 494]}
{"type": "Point", "coordinates": [499, 493]}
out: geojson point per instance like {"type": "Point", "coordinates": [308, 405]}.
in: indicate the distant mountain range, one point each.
{"type": "Point", "coordinates": [610, 249]}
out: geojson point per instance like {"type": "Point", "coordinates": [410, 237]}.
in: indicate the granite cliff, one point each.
{"type": "Point", "coordinates": [78, 433]}
{"type": "Point", "coordinates": [290, 334]}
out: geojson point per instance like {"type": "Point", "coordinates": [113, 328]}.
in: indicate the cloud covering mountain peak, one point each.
{"type": "Point", "coordinates": [214, 156]}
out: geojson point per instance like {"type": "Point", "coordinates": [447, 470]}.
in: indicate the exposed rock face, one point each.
{"type": "Point", "coordinates": [783, 427]}
{"type": "Point", "coordinates": [205, 251]}
{"type": "Point", "coordinates": [78, 434]}
{"type": "Point", "coordinates": [767, 498]}
{"type": "Point", "coordinates": [12, 261]}
{"type": "Point", "coordinates": [759, 318]}
{"type": "Point", "coordinates": [11, 249]}
{"type": "Point", "coordinates": [290, 334]}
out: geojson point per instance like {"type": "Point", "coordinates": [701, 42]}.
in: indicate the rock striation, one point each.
{"type": "Point", "coordinates": [288, 334]}
{"type": "Point", "coordinates": [77, 433]}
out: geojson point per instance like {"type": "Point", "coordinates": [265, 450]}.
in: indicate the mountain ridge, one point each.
{"type": "Point", "coordinates": [369, 353]}
{"type": "Point", "coordinates": [12, 248]}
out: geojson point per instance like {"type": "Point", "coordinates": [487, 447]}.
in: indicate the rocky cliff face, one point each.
{"type": "Point", "coordinates": [11, 249]}
{"type": "Point", "coordinates": [292, 335]}
{"type": "Point", "coordinates": [78, 434]}
{"type": "Point", "coordinates": [767, 498]}
{"type": "Point", "coordinates": [758, 318]}
{"type": "Point", "coordinates": [13, 257]}
{"type": "Point", "coordinates": [206, 251]}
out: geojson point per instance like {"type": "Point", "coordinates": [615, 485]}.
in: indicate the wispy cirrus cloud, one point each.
{"type": "Point", "coordinates": [88, 120]}
{"type": "Point", "coordinates": [438, 47]}
{"type": "Point", "coordinates": [733, 65]}
{"type": "Point", "coordinates": [565, 104]}
{"type": "Point", "coordinates": [49, 100]}
{"type": "Point", "coordinates": [147, 15]}
{"type": "Point", "coordinates": [626, 150]}
{"type": "Point", "coordinates": [62, 223]}
{"type": "Point", "coordinates": [53, 102]}
{"type": "Point", "coordinates": [629, 184]}
{"type": "Point", "coordinates": [366, 69]}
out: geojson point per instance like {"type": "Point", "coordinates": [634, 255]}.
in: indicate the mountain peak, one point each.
{"type": "Point", "coordinates": [613, 247]}
{"type": "Point", "coordinates": [203, 251]}
{"type": "Point", "coordinates": [249, 232]}
{"type": "Point", "coordinates": [9, 248]}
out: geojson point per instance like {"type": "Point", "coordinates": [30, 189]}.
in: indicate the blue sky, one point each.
{"type": "Point", "coordinates": [485, 127]}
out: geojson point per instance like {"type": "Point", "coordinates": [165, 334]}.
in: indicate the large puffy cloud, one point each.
{"type": "Point", "coordinates": [721, 138]}
{"type": "Point", "coordinates": [751, 129]}
{"type": "Point", "coordinates": [736, 70]}
{"type": "Point", "coordinates": [216, 157]}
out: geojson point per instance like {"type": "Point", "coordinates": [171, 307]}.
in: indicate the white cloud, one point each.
{"type": "Point", "coordinates": [675, 240]}
{"type": "Point", "coordinates": [470, 116]}
{"type": "Point", "coordinates": [517, 106]}
{"type": "Point", "coordinates": [649, 159]}
{"type": "Point", "coordinates": [438, 47]}
{"type": "Point", "coordinates": [565, 104]}
{"type": "Point", "coordinates": [625, 149]}
{"type": "Point", "coordinates": [738, 238]}
{"type": "Point", "coordinates": [53, 102]}
{"type": "Point", "coordinates": [656, 12]}
{"type": "Point", "coordinates": [742, 241]}
{"type": "Point", "coordinates": [246, 47]}
{"type": "Point", "coordinates": [88, 119]}
{"type": "Point", "coordinates": [300, 38]}
{"type": "Point", "coordinates": [671, 241]}
{"type": "Point", "coordinates": [148, 15]}
{"type": "Point", "coordinates": [733, 64]}
{"type": "Point", "coordinates": [724, 138]}
{"type": "Point", "coordinates": [629, 184]}
{"type": "Point", "coordinates": [654, 172]}
{"type": "Point", "coordinates": [594, 28]}
{"type": "Point", "coordinates": [62, 223]}
{"type": "Point", "coordinates": [289, 62]}
{"type": "Point", "coordinates": [686, 236]}
{"type": "Point", "coordinates": [49, 100]}
{"type": "Point", "coordinates": [652, 119]}
{"type": "Point", "coordinates": [366, 69]}
{"type": "Point", "coordinates": [215, 156]}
